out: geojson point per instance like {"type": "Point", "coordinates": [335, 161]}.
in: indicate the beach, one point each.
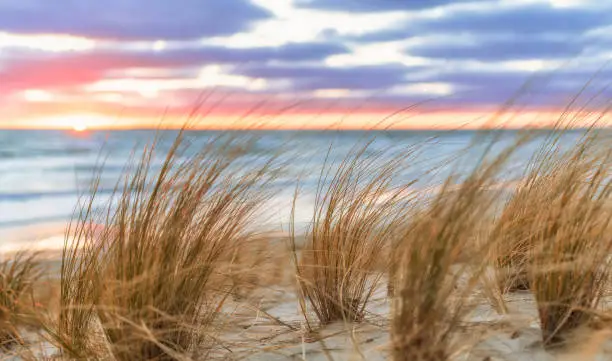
{"type": "Point", "coordinates": [46, 177]}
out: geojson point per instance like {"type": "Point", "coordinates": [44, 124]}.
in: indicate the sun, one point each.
{"type": "Point", "coordinates": [79, 127]}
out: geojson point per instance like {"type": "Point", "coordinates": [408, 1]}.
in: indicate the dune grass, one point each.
{"type": "Point", "coordinates": [146, 274]}
{"type": "Point", "coordinates": [512, 232]}
{"type": "Point", "coordinates": [514, 241]}
{"type": "Point", "coordinates": [573, 238]}
{"type": "Point", "coordinates": [18, 274]}
{"type": "Point", "coordinates": [141, 278]}
{"type": "Point", "coordinates": [432, 277]}
{"type": "Point", "coordinates": [356, 211]}
{"type": "Point", "coordinates": [553, 236]}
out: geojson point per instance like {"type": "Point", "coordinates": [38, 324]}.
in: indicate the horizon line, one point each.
{"type": "Point", "coordinates": [296, 129]}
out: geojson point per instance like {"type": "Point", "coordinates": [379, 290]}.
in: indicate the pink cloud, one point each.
{"type": "Point", "coordinates": [68, 71]}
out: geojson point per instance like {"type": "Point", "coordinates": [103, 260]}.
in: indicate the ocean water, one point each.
{"type": "Point", "coordinates": [42, 173]}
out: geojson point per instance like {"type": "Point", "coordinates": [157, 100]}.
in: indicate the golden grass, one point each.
{"type": "Point", "coordinates": [553, 237]}
{"type": "Point", "coordinates": [18, 274]}
{"type": "Point", "coordinates": [512, 231]}
{"type": "Point", "coordinates": [432, 279]}
{"type": "Point", "coordinates": [147, 276]}
{"type": "Point", "coordinates": [355, 216]}
{"type": "Point", "coordinates": [573, 239]}
{"type": "Point", "coordinates": [514, 241]}
{"type": "Point", "coordinates": [141, 280]}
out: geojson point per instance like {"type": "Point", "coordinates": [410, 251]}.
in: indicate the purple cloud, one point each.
{"type": "Point", "coordinates": [378, 5]}
{"type": "Point", "coordinates": [556, 78]}
{"type": "Point", "coordinates": [322, 77]}
{"type": "Point", "coordinates": [219, 54]}
{"type": "Point", "coordinates": [524, 21]}
{"type": "Point", "coordinates": [500, 50]}
{"type": "Point", "coordinates": [131, 19]}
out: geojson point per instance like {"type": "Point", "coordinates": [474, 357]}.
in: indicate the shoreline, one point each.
{"type": "Point", "coordinates": [46, 238]}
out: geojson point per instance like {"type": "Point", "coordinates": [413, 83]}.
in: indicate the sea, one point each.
{"type": "Point", "coordinates": [44, 172]}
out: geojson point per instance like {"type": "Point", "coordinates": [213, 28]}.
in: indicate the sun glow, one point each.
{"type": "Point", "coordinates": [79, 127]}
{"type": "Point", "coordinates": [74, 122]}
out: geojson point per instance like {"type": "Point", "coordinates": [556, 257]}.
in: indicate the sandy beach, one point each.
{"type": "Point", "coordinates": [263, 321]}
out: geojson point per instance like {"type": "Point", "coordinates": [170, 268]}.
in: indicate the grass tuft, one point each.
{"type": "Point", "coordinates": [141, 279]}
{"type": "Point", "coordinates": [355, 216]}
{"type": "Point", "coordinates": [18, 274]}
{"type": "Point", "coordinates": [573, 238]}
{"type": "Point", "coordinates": [513, 239]}
{"type": "Point", "coordinates": [433, 280]}
{"type": "Point", "coordinates": [149, 273]}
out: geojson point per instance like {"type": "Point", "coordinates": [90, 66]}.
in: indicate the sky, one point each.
{"type": "Point", "coordinates": [302, 63]}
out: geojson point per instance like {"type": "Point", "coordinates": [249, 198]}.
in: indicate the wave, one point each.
{"type": "Point", "coordinates": [26, 196]}
{"type": "Point", "coordinates": [34, 221]}
{"type": "Point", "coordinates": [44, 152]}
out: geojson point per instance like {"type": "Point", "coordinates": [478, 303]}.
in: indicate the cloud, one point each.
{"type": "Point", "coordinates": [322, 77]}
{"type": "Point", "coordinates": [59, 71]}
{"type": "Point", "coordinates": [27, 70]}
{"type": "Point", "coordinates": [288, 53]}
{"type": "Point", "coordinates": [520, 20]}
{"type": "Point", "coordinates": [500, 50]}
{"type": "Point", "coordinates": [379, 5]}
{"type": "Point", "coordinates": [389, 34]}
{"type": "Point", "coordinates": [567, 76]}
{"type": "Point", "coordinates": [471, 55]}
{"type": "Point", "coordinates": [131, 19]}
{"type": "Point", "coordinates": [549, 88]}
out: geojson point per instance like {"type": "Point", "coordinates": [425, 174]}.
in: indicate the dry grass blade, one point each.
{"type": "Point", "coordinates": [151, 261]}
{"type": "Point", "coordinates": [355, 208]}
